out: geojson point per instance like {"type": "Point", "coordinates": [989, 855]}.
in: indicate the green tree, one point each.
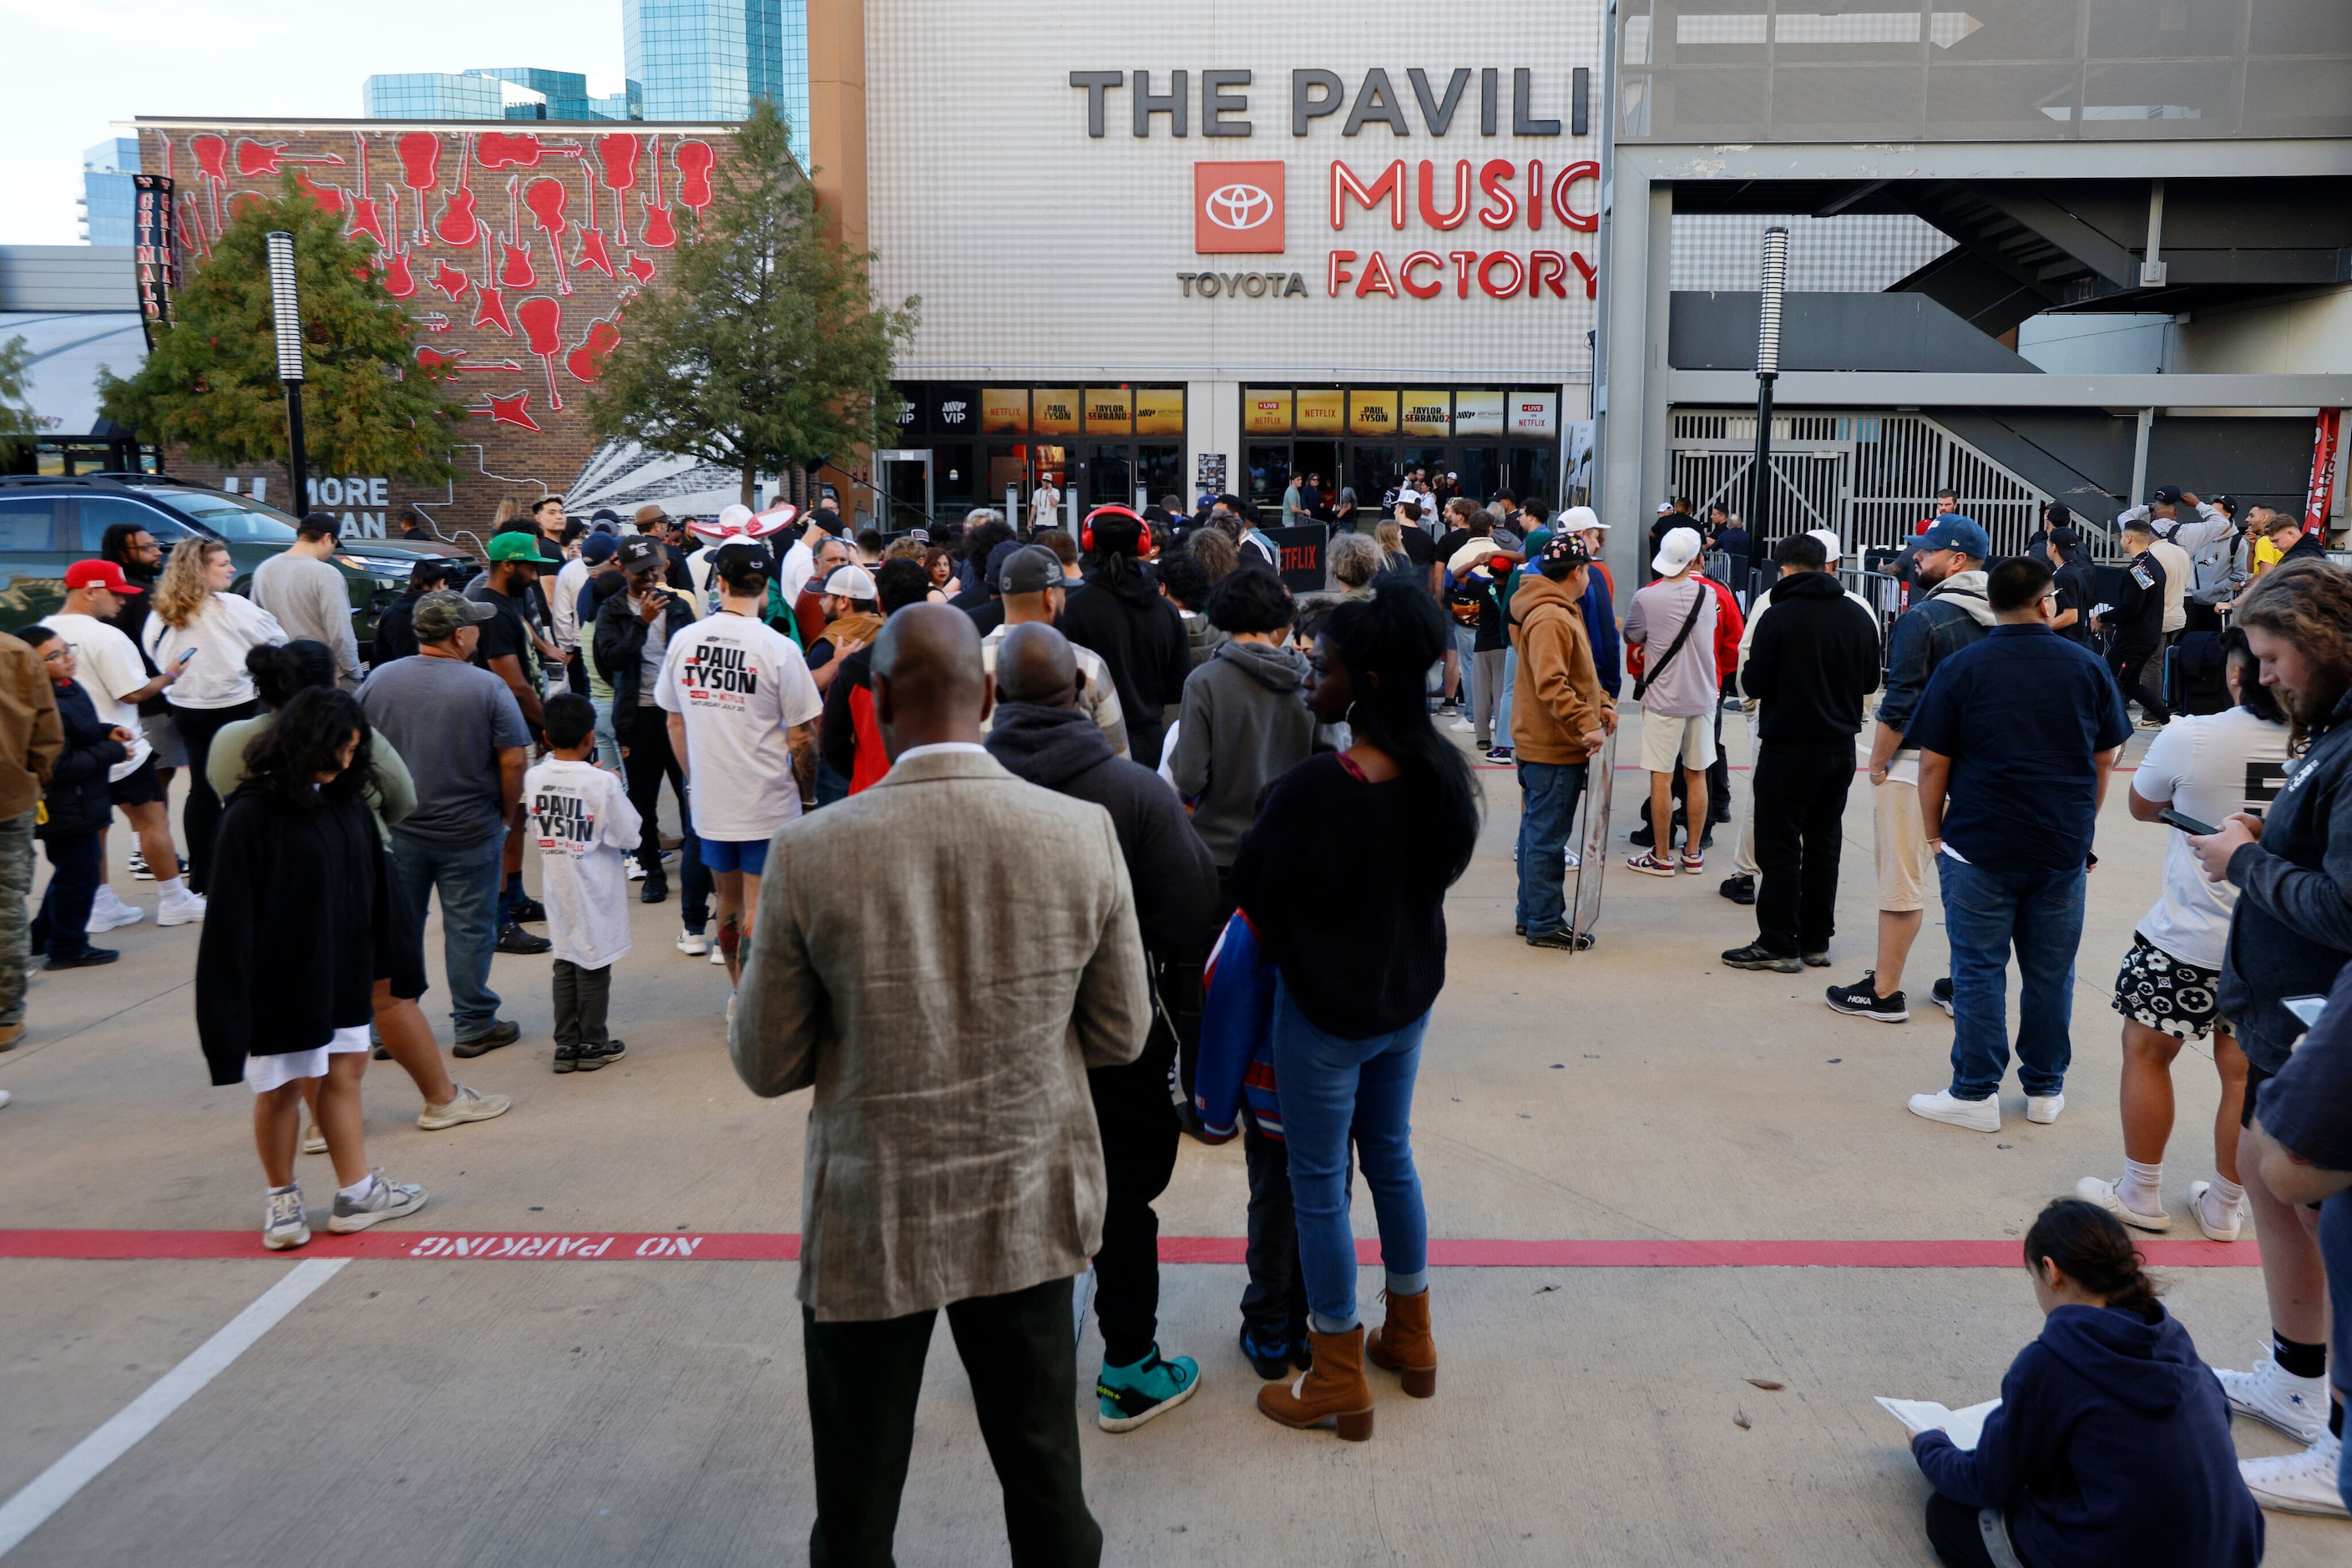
{"type": "Point", "coordinates": [210, 384]}
{"type": "Point", "coordinates": [18, 424]}
{"type": "Point", "coordinates": [764, 347]}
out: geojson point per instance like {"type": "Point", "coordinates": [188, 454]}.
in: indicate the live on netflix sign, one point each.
{"type": "Point", "coordinates": [1456, 223]}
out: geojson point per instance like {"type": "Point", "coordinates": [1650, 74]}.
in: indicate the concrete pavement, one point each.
{"type": "Point", "coordinates": [489, 1411]}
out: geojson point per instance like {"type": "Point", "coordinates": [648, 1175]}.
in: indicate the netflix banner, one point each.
{"type": "Point", "coordinates": [1300, 552]}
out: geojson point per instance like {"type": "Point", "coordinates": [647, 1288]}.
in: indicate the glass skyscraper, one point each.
{"type": "Point", "coordinates": [711, 60]}
{"type": "Point", "coordinates": [107, 201]}
{"type": "Point", "coordinates": [495, 92]}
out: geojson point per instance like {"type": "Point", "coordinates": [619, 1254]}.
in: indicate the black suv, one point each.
{"type": "Point", "coordinates": [48, 523]}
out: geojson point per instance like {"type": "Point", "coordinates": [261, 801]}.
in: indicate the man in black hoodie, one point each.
{"type": "Point", "coordinates": [1041, 734]}
{"type": "Point", "coordinates": [1812, 660]}
{"type": "Point", "coordinates": [1120, 615]}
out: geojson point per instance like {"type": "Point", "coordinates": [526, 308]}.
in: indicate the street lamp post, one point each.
{"type": "Point", "coordinates": [1768, 370]}
{"type": "Point", "coordinates": [285, 310]}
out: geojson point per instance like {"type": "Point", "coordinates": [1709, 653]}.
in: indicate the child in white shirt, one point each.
{"type": "Point", "coordinates": [584, 824]}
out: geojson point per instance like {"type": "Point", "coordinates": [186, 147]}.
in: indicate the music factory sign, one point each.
{"type": "Point", "coordinates": [1457, 224]}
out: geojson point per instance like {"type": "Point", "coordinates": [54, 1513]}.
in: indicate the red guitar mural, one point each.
{"type": "Point", "coordinates": [547, 197]}
{"type": "Point", "coordinates": [520, 150]}
{"type": "Point", "coordinates": [661, 233]}
{"type": "Point", "coordinates": [542, 325]}
{"type": "Point", "coordinates": [365, 218]}
{"type": "Point", "coordinates": [515, 411]}
{"type": "Point", "coordinates": [212, 161]}
{"type": "Point", "coordinates": [398, 281]}
{"type": "Point", "coordinates": [593, 255]}
{"type": "Point", "coordinates": [420, 170]}
{"type": "Point", "coordinates": [694, 161]}
{"type": "Point", "coordinates": [618, 153]}
{"type": "Point", "coordinates": [447, 363]}
{"type": "Point", "coordinates": [433, 320]}
{"type": "Point", "coordinates": [491, 301]}
{"type": "Point", "coordinates": [516, 271]}
{"type": "Point", "coordinates": [242, 201]}
{"type": "Point", "coordinates": [639, 267]}
{"type": "Point", "coordinates": [262, 160]}
{"type": "Point", "coordinates": [457, 224]}
{"type": "Point", "coordinates": [450, 280]}
{"type": "Point", "coordinates": [329, 198]}
{"type": "Point", "coordinates": [586, 362]}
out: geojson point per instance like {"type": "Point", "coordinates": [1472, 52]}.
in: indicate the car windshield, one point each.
{"type": "Point", "coordinates": [239, 520]}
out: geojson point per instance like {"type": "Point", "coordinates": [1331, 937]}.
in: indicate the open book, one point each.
{"type": "Point", "coordinates": [1919, 1416]}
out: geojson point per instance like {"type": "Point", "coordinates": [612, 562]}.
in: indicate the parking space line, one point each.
{"type": "Point", "coordinates": [782, 1246]}
{"type": "Point", "coordinates": [55, 1486]}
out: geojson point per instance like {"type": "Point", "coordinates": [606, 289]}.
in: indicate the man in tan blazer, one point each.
{"type": "Point", "coordinates": [943, 956]}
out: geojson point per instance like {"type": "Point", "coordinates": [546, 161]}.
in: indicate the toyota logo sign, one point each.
{"type": "Point", "coordinates": [1238, 208]}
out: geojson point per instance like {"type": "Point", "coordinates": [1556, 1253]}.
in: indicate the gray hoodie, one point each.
{"type": "Point", "coordinates": [1245, 723]}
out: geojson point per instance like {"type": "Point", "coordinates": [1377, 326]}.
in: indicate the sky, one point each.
{"type": "Point", "coordinates": [80, 65]}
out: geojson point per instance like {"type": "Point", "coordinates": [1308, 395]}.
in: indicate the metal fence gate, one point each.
{"type": "Point", "coordinates": [1871, 476]}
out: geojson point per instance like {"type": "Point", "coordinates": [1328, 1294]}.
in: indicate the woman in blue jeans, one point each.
{"type": "Point", "coordinates": [1350, 910]}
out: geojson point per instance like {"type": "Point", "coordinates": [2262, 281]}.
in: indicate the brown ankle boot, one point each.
{"type": "Point", "coordinates": [1403, 1344]}
{"type": "Point", "coordinates": [1335, 1386]}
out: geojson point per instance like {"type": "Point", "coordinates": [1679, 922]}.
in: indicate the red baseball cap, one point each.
{"type": "Point", "coordinates": [100, 575]}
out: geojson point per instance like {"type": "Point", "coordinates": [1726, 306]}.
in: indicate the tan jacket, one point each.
{"type": "Point", "coordinates": [30, 733]}
{"type": "Point", "coordinates": [943, 956]}
{"type": "Point", "coordinates": [1557, 699]}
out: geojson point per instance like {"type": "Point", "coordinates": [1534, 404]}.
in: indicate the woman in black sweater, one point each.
{"type": "Point", "coordinates": [1358, 941]}
{"type": "Point", "coordinates": [299, 924]}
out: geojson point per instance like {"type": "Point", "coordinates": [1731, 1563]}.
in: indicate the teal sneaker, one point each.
{"type": "Point", "coordinates": [1131, 1395]}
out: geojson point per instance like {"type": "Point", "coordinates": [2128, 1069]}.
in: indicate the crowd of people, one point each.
{"type": "Point", "coordinates": [1151, 757]}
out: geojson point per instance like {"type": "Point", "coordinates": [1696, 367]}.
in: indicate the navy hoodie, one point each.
{"type": "Point", "coordinates": [2111, 1446]}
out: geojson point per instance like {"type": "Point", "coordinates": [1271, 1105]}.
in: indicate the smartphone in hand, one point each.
{"type": "Point", "coordinates": [2188, 825]}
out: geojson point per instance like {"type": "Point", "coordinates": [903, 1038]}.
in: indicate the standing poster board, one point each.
{"type": "Point", "coordinates": [1592, 843]}
{"type": "Point", "coordinates": [1300, 555]}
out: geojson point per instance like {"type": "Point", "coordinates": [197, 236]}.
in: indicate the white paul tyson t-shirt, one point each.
{"type": "Point", "coordinates": [107, 667]}
{"type": "Point", "coordinates": [2209, 767]}
{"type": "Point", "coordinates": [741, 685]}
{"type": "Point", "coordinates": [584, 822]}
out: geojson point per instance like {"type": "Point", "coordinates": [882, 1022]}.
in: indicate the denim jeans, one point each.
{"type": "Point", "coordinates": [1986, 913]}
{"type": "Point", "coordinates": [469, 878]}
{"type": "Point", "coordinates": [1547, 795]}
{"type": "Point", "coordinates": [608, 748]}
{"type": "Point", "coordinates": [1466, 641]}
{"type": "Point", "coordinates": [2336, 1251]}
{"type": "Point", "coordinates": [77, 861]}
{"type": "Point", "coordinates": [1333, 1087]}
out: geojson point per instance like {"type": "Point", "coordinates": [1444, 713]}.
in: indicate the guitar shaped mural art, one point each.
{"type": "Point", "coordinates": [547, 197]}
{"type": "Point", "coordinates": [661, 231]}
{"type": "Point", "coordinates": [399, 282]}
{"type": "Point", "coordinates": [489, 299]}
{"type": "Point", "coordinates": [446, 361]}
{"type": "Point", "coordinates": [515, 411]}
{"type": "Point", "coordinates": [586, 362]}
{"type": "Point", "coordinates": [516, 271]}
{"type": "Point", "coordinates": [262, 160]}
{"type": "Point", "coordinates": [212, 161]}
{"type": "Point", "coordinates": [420, 170]}
{"type": "Point", "coordinates": [366, 217]}
{"type": "Point", "coordinates": [457, 224]}
{"type": "Point", "coordinates": [542, 324]}
{"type": "Point", "coordinates": [694, 163]}
{"type": "Point", "coordinates": [593, 254]}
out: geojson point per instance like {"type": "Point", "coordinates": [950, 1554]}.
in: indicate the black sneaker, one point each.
{"type": "Point", "coordinates": [653, 892]}
{"type": "Point", "coordinates": [1861, 1000]}
{"type": "Point", "coordinates": [1755, 955]}
{"type": "Point", "coordinates": [87, 958]}
{"type": "Point", "coordinates": [1564, 939]}
{"type": "Point", "coordinates": [502, 1033]}
{"type": "Point", "coordinates": [567, 1058]}
{"type": "Point", "coordinates": [514, 939]}
{"type": "Point", "coordinates": [1642, 838]}
{"type": "Point", "coordinates": [1302, 1352]}
{"type": "Point", "coordinates": [528, 911]}
{"type": "Point", "coordinates": [594, 1056]}
{"type": "Point", "coordinates": [1942, 993]}
{"type": "Point", "coordinates": [1740, 889]}
{"type": "Point", "coordinates": [1270, 1357]}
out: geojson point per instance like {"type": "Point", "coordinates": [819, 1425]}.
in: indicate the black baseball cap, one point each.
{"type": "Point", "coordinates": [641, 552]}
{"type": "Point", "coordinates": [1032, 569]}
{"type": "Point", "coordinates": [740, 561]}
{"type": "Point", "coordinates": [2169, 494]}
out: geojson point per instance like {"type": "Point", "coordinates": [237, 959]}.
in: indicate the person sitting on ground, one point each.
{"type": "Point", "coordinates": [292, 946]}
{"type": "Point", "coordinates": [1031, 588]}
{"type": "Point", "coordinates": [1041, 733]}
{"type": "Point", "coordinates": [2111, 1443]}
{"type": "Point", "coordinates": [2209, 767]}
{"type": "Point", "coordinates": [1244, 723]}
{"type": "Point", "coordinates": [584, 824]}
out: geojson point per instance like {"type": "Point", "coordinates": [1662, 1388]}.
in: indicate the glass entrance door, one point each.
{"type": "Point", "coordinates": [1109, 474]}
{"type": "Point", "coordinates": [1160, 471]}
{"type": "Point", "coordinates": [1319, 459]}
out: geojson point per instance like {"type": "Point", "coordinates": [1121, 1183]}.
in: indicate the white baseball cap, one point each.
{"type": "Point", "coordinates": [850, 582]}
{"type": "Point", "coordinates": [1675, 551]}
{"type": "Point", "coordinates": [1664, 507]}
{"type": "Point", "coordinates": [1830, 541]}
{"type": "Point", "coordinates": [1577, 519]}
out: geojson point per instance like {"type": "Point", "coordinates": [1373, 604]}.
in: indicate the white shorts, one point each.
{"type": "Point", "coordinates": [263, 1074]}
{"type": "Point", "coordinates": [1902, 842]}
{"type": "Point", "coordinates": [1665, 739]}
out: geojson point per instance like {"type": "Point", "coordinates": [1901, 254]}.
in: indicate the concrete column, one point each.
{"type": "Point", "coordinates": [1637, 239]}
{"type": "Point", "coordinates": [1213, 423]}
{"type": "Point", "coordinates": [836, 129]}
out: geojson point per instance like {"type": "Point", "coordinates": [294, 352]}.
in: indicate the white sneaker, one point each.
{"type": "Point", "coordinates": [716, 956]}
{"type": "Point", "coordinates": [2044, 1107]}
{"type": "Point", "coordinates": [2092, 1190]}
{"type": "Point", "coordinates": [465, 1105]}
{"type": "Point", "coordinates": [693, 942]}
{"type": "Point", "coordinates": [2276, 1397]}
{"type": "Point", "coordinates": [2300, 1483]}
{"type": "Point", "coordinates": [1572, 858]}
{"type": "Point", "coordinates": [180, 908]}
{"type": "Point", "coordinates": [285, 1226]}
{"type": "Point", "coordinates": [636, 872]}
{"type": "Point", "coordinates": [1975, 1115]}
{"type": "Point", "coordinates": [313, 1140]}
{"type": "Point", "coordinates": [384, 1200]}
{"type": "Point", "coordinates": [5, 1097]}
{"type": "Point", "coordinates": [108, 912]}
{"type": "Point", "coordinates": [2197, 1191]}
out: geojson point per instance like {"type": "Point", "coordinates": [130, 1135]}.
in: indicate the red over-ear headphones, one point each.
{"type": "Point", "coordinates": [1086, 527]}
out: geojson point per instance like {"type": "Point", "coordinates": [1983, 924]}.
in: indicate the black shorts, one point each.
{"type": "Point", "coordinates": [141, 786]}
{"type": "Point", "coordinates": [2156, 989]}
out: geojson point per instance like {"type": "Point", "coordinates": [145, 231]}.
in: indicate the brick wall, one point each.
{"type": "Point", "coordinates": [487, 289]}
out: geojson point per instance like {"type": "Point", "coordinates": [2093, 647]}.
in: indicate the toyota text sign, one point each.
{"type": "Point", "coordinates": [1238, 208]}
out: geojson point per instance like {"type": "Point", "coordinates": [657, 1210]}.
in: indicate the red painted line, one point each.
{"type": "Point", "coordinates": [754, 1246]}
